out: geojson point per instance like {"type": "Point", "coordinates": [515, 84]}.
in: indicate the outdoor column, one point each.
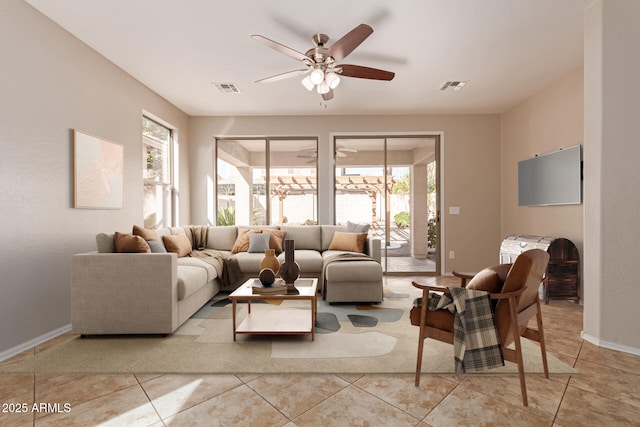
{"type": "Point", "coordinates": [243, 198]}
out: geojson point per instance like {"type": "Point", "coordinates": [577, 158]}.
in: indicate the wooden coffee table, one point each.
{"type": "Point", "coordinates": [277, 321]}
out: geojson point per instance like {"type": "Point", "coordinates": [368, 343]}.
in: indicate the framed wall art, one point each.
{"type": "Point", "coordinates": [97, 173]}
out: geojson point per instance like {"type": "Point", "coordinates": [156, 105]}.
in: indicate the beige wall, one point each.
{"type": "Point", "coordinates": [471, 147]}
{"type": "Point", "coordinates": [50, 84]}
{"type": "Point", "coordinates": [546, 122]}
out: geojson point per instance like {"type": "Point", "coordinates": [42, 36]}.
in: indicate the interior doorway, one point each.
{"type": "Point", "coordinates": [392, 183]}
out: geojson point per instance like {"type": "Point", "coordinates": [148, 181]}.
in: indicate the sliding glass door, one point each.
{"type": "Point", "coordinates": [391, 183]}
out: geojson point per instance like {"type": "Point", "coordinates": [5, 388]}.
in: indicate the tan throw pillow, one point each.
{"type": "Point", "coordinates": [128, 243]}
{"type": "Point", "coordinates": [490, 279]}
{"type": "Point", "coordinates": [275, 239]}
{"type": "Point", "coordinates": [352, 242]}
{"type": "Point", "coordinates": [178, 243]}
{"type": "Point", "coordinates": [242, 242]}
{"type": "Point", "coordinates": [145, 233]}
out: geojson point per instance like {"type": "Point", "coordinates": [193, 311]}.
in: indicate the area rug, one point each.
{"type": "Point", "coordinates": [349, 338]}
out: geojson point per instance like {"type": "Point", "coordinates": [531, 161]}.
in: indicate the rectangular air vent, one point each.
{"type": "Point", "coordinates": [453, 85]}
{"type": "Point", "coordinates": [227, 87]}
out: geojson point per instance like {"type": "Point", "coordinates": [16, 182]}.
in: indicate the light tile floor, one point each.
{"type": "Point", "coordinates": [606, 393]}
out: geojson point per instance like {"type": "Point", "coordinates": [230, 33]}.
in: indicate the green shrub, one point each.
{"type": "Point", "coordinates": [431, 233]}
{"type": "Point", "coordinates": [402, 219]}
{"type": "Point", "coordinates": [226, 216]}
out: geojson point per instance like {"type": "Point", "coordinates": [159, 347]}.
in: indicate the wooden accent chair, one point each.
{"type": "Point", "coordinates": [515, 287]}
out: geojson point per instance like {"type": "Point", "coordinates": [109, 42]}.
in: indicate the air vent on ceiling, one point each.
{"type": "Point", "coordinates": [227, 87]}
{"type": "Point", "coordinates": [453, 85]}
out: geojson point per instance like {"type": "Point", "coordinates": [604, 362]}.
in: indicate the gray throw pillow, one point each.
{"type": "Point", "coordinates": [157, 246]}
{"type": "Point", "coordinates": [357, 228]}
{"type": "Point", "coordinates": [258, 242]}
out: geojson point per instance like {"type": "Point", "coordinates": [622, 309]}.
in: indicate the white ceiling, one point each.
{"type": "Point", "coordinates": [507, 49]}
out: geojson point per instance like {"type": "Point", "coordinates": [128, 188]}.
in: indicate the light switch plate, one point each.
{"type": "Point", "coordinates": [454, 210]}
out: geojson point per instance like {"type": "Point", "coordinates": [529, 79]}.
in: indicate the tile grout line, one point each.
{"type": "Point", "coordinates": [149, 399]}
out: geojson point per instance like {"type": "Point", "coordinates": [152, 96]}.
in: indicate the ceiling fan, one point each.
{"type": "Point", "coordinates": [323, 71]}
{"type": "Point", "coordinates": [312, 153]}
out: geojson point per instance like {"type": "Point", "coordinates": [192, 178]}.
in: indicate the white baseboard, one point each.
{"type": "Point", "coordinates": [34, 342]}
{"type": "Point", "coordinates": [610, 345]}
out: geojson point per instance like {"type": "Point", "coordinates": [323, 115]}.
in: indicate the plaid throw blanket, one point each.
{"type": "Point", "coordinates": [476, 345]}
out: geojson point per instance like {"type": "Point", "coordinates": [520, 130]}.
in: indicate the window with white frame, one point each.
{"type": "Point", "coordinates": [157, 177]}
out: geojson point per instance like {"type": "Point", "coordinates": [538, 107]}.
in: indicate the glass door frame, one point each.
{"type": "Point", "coordinates": [439, 174]}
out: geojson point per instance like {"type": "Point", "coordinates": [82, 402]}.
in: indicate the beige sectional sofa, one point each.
{"type": "Point", "coordinates": [154, 293]}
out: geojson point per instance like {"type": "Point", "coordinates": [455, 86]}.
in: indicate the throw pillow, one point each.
{"type": "Point", "coordinates": [128, 243]}
{"type": "Point", "coordinates": [146, 233]}
{"type": "Point", "coordinates": [275, 239]}
{"type": "Point", "coordinates": [352, 242]}
{"type": "Point", "coordinates": [258, 243]}
{"type": "Point", "coordinates": [157, 247]}
{"type": "Point", "coordinates": [178, 243]}
{"type": "Point", "coordinates": [357, 228]}
{"type": "Point", "coordinates": [242, 242]}
{"type": "Point", "coordinates": [490, 279]}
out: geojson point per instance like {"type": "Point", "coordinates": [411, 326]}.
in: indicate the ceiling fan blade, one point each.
{"type": "Point", "coordinates": [327, 96]}
{"type": "Point", "coordinates": [280, 48]}
{"type": "Point", "coordinates": [282, 76]}
{"type": "Point", "coordinates": [361, 72]}
{"type": "Point", "coordinates": [343, 47]}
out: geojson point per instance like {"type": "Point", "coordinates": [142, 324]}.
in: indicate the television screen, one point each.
{"type": "Point", "coordinates": [551, 179]}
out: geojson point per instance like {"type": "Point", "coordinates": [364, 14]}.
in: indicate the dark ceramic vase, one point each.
{"type": "Point", "coordinates": [267, 276]}
{"type": "Point", "coordinates": [289, 270]}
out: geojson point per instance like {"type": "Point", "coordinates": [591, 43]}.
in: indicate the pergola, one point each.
{"type": "Point", "coordinates": [283, 186]}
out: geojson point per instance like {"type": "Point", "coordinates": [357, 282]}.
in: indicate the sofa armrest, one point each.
{"type": "Point", "coordinates": [373, 248]}
{"type": "Point", "coordinates": [117, 293]}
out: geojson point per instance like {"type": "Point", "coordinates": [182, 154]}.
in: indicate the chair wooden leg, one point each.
{"type": "Point", "coordinates": [516, 339]}
{"type": "Point", "coordinates": [419, 362]}
{"type": "Point", "coordinates": [423, 315]}
{"type": "Point", "coordinates": [543, 347]}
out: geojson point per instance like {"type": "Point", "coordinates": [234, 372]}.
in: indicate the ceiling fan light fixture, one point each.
{"type": "Point", "coordinates": [317, 76]}
{"type": "Point", "coordinates": [307, 83]}
{"type": "Point", "coordinates": [332, 79]}
{"type": "Point", "coordinates": [323, 88]}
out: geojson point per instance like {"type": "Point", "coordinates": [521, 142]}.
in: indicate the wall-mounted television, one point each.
{"type": "Point", "coordinates": [551, 179]}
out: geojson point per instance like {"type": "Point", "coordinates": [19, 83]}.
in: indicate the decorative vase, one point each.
{"type": "Point", "coordinates": [270, 261]}
{"type": "Point", "coordinates": [267, 277]}
{"type": "Point", "coordinates": [289, 270]}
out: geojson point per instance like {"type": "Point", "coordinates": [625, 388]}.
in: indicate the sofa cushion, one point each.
{"type": "Point", "coordinates": [130, 243]}
{"type": "Point", "coordinates": [178, 243]}
{"type": "Point", "coordinates": [309, 261]}
{"type": "Point", "coordinates": [352, 242]}
{"type": "Point", "coordinates": [190, 280]}
{"type": "Point", "coordinates": [249, 262]}
{"type": "Point", "coordinates": [258, 242]}
{"type": "Point", "coordinates": [222, 237]}
{"type": "Point", "coordinates": [305, 236]}
{"type": "Point", "coordinates": [212, 273]}
{"type": "Point", "coordinates": [365, 270]}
